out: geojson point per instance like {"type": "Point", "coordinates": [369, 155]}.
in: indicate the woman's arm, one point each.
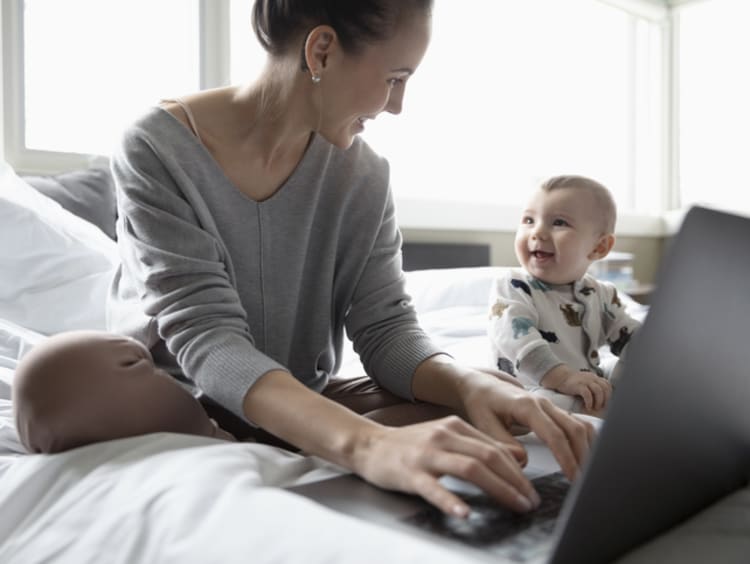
{"type": "Point", "coordinates": [410, 459]}
{"type": "Point", "coordinates": [177, 280]}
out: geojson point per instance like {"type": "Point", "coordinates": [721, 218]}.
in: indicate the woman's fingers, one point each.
{"type": "Point", "coordinates": [507, 453]}
{"type": "Point", "coordinates": [431, 490]}
{"type": "Point", "coordinates": [568, 438]}
{"type": "Point", "coordinates": [484, 452]}
{"type": "Point", "coordinates": [587, 396]}
{"type": "Point", "coordinates": [492, 469]}
{"type": "Point", "coordinates": [506, 484]}
{"type": "Point", "coordinates": [497, 408]}
{"type": "Point", "coordinates": [496, 430]}
{"type": "Point", "coordinates": [450, 446]}
{"type": "Point", "coordinates": [601, 389]}
{"type": "Point", "coordinates": [597, 395]}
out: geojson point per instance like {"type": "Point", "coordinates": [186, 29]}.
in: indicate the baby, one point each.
{"type": "Point", "coordinates": [549, 319]}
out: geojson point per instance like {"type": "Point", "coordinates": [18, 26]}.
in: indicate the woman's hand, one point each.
{"type": "Point", "coordinates": [413, 458]}
{"type": "Point", "coordinates": [495, 405]}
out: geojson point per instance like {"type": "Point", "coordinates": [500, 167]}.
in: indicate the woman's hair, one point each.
{"type": "Point", "coordinates": [278, 24]}
{"type": "Point", "coordinates": [603, 197]}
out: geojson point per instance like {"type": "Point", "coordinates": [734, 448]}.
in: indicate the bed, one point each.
{"type": "Point", "coordinates": [167, 497]}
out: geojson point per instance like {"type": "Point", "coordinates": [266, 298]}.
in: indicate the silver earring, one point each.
{"type": "Point", "coordinates": [315, 79]}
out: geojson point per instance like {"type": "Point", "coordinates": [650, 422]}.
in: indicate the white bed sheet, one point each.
{"type": "Point", "coordinates": [177, 498]}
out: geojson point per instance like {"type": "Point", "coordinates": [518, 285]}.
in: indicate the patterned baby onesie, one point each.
{"type": "Point", "coordinates": [535, 326]}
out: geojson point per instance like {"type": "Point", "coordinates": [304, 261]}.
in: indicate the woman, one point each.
{"type": "Point", "coordinates": [254, 228]}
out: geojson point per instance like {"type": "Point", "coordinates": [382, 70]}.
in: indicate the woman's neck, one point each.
{"type": "Point", "coordinates": [274, 116]}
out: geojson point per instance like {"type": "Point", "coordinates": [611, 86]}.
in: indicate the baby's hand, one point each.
{"type": "Point", "coordinates": [593, 390]}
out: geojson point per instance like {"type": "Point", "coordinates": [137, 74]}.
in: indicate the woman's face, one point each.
{"type": "Point", "coordinates": [358, 87]}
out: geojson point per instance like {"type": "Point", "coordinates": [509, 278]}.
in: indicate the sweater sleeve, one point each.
{"type": "Point", "coordinates": [514, 333]}
{"type": "Point", "coordinates": [181, 275]}
{"type": "Point", "coordinates": [382, 322]}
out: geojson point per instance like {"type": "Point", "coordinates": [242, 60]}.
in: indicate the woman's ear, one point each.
{"type": "Point", "coordinates": [603, 246]}
{"type": "Point", "coordinates": [319, 44]}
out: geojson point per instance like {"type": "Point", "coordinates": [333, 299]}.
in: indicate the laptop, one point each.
{"type": "Point", "coordinates": [676, 437]}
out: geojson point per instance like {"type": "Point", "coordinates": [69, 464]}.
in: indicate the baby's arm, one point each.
{"type": "Point", "coordinates": [594, 390]}
{"type": "Point", "coordinates": [517, 345]}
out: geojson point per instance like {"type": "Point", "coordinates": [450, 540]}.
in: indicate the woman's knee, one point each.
{"type": "Point", "coordinates": [83, 387]}
{"type": "Point", "coordinates": [46, 383]}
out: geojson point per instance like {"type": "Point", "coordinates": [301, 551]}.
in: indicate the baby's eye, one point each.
{"type": "Point", "coordinates": [560, 222]}
{"type": "Point", "coordinates": [527, 220]}
{"type": "Point", "coordinates": [393, 82]}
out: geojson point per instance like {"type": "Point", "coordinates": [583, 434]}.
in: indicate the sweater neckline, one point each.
{"type": "Point", "coordinates": [192, 139]}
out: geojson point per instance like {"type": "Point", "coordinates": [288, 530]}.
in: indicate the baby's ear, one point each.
{"type": "Point", "coordinates": [603, 246]}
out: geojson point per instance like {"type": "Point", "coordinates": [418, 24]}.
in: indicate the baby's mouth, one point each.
{"type": "Point", "coordinates": [540, 255]}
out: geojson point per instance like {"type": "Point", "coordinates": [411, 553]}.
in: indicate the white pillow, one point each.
{"type": "Point", "coordinates": [55, 267]}
{"type": "Point", "coordinates": [442, 288]}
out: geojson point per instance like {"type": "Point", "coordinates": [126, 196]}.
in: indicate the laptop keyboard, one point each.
{"type": "Point", "coordinates": [489, 523]}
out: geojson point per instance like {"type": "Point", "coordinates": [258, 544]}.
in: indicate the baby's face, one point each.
{"type": "Point", "coordinates": [559, 234]}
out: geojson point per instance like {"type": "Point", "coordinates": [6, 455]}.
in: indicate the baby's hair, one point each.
{"type": "Point", "coordinates": [603, 197]}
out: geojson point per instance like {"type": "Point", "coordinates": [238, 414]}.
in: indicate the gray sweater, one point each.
{"type": "Point", "coordinates": [223, 288]}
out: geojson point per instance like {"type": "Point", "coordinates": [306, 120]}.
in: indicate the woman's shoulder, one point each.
{"type": "Point", "coordinates": [155, 132]}
{"type": "Point", "coordinates": [153, 122]}
{"type": "Point", "coordinates": [177, 108]}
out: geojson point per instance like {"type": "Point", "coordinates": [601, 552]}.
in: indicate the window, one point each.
{"type": "Point", "coordinates": [510, 91]}
{"type": "Point", "coordinates": [91, 66]}
{"type": "Point", "coordinates": [714, 116]}
{"type": "Point", "coordinates": [247, 57]}
{"type": "Point", "coordinates": [535, 88]}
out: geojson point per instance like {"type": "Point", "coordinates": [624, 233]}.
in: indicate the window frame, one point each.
{"type": "Point", "coordinates": [213, 71]}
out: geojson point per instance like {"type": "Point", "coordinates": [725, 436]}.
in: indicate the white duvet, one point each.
{"type": "Point", "coordinates": [177, 498]}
